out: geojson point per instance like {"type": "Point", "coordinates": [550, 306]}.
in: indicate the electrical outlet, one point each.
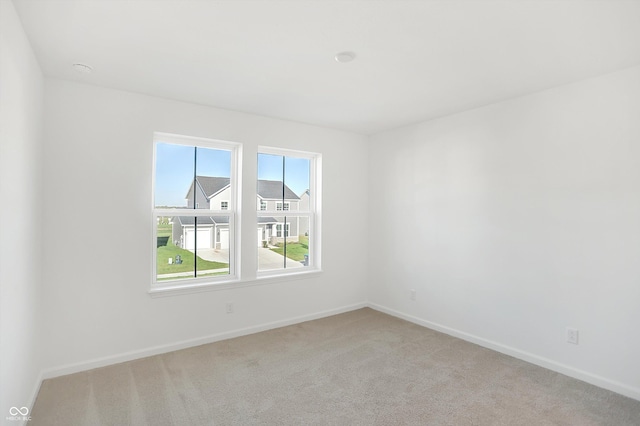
{"type": "Point", "coordinates": [412, 294]}
{"type": "Point", "coordinates": [229, 307]}
{"type": "Point", "coordinates": [572, 335]}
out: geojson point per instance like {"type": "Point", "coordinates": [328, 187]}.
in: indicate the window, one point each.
{"type": "Point", "coordinates": [289, 234]}
{"type": "Point", "coordinates": [195, 209]}
{"type": "Point", "coordinates": [280, 204]}
{"type": "Point", "coordinates": [193, 242]}
{"type": "Point", "coordinates": [279, 230]}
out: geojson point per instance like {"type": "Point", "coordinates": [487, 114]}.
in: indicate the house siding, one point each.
{"type": "Point", "coordinates": [201, 199]}
{"type": "Point", "coordinates": [225, 195]}
{"type": "Point", "coordinates": [271, 204]}
{"type": "Point", "coordinates": [176, 232]}
{"type": "Point", "coordinates": [293, 231]}
{"type": "Point", "coordinates": [304, 205]}
{"type": "Point", "coordinates": [215, 202]}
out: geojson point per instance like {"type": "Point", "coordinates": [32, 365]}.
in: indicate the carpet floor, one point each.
{"type": "Point", "coordinates": [358, 368]}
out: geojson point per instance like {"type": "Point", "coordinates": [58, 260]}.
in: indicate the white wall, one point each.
{"type": "Point", "coordinates": [511, 221]}
{"type": "Point", "coordinates": [21, 97]}
{"type": "Point", "coordinates": [98, 225]}
{"type": "Point", "coordinates": [516, 220]}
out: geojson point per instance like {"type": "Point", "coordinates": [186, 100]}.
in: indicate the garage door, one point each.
{"type": "Point", "coordinates": [224, 238]}
{"type": "Point", "coordinates": [204, 238]}
{"type": "Point", "coordinates": [259, 237]}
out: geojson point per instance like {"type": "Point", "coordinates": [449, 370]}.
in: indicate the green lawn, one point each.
{"type": "Point", "coordinates": [295, 251]}
{"type": "Point", "coordinates": [164, 230]}
{"type": "Point", "coordinates": [171, 251]}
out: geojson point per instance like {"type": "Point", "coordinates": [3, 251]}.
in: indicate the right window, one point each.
{"type": "Point", "coordinates": [288, 190]}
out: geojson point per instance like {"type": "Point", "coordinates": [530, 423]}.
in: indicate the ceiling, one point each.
{"type": "Point", "coordinates": [415, 60]}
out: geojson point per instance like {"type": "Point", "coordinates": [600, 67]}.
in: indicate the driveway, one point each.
{"type": "Point", "coordinates": [267, 259]}
{"type": "Point", "coordinates": [214, 255]}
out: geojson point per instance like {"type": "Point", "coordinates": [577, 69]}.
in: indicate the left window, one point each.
{"type": "Point", "coordinates": [195, 195]}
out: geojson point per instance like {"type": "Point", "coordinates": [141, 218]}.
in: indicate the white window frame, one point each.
{"type": "Point", "coordinates": [314, 214]}
{"type": "Point", "coordinates": [232, 213]}
{"type": "Point", "coordinates": [224, 205]}
{"type": "Point", "coordinates": [263, 205]}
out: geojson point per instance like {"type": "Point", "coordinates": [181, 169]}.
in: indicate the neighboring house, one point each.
{"type": "Point", "coordinates": [213, 231]}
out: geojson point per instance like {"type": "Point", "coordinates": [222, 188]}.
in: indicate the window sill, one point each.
{"type": "Point", "coordinates": [180, 289]}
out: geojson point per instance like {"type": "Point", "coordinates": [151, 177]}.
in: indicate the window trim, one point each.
{"type": "Point", "coordinates": [266, 280]}
{"type": "Point", "coordinates": [235, 189]}
{"type": "Point", "coordinates": [251, 276]}
{"type": "Point", "coordinates": [314, 214]}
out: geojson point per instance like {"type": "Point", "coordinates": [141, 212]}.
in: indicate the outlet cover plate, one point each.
{"type": "Point", "coordinates": [572, 335]}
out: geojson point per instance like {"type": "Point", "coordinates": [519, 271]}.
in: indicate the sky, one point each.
{"type": "Point", "coordinates": [175, 166]}
{"type": "Point", "coordinates": [296, 171]}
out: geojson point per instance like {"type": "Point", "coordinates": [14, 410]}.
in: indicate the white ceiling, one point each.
{"type": "Point", "coordinates": [416, 60]}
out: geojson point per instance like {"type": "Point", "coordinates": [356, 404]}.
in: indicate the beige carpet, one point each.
{"type": "Point", "coordinates": [358, 368]}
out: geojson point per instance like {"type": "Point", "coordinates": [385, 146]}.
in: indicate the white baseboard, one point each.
{"type": "Point", "coordinates": [549, 364]}
{"type": "Point", "coordinates": [35, 391]}
{"type": "Point", "coordinates": [156, 350]}
{"type": "Point", "coordinates": [585, 376]}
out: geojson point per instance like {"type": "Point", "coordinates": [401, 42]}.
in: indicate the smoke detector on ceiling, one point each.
{"type": "Point", "coordinates": [344, 57]}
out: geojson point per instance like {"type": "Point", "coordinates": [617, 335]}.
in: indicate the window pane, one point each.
{"type": "Point", "coordinates": [283, 182]}
{"type": "Point", "coordinates": [175, 165]}
{"type": "Point", "coordinates": [270, 167]}
{"type": "Point", "coordinates": [284, 187]}
{"type": "Point", "coordinates": [281, 245]}
{"type": "Point", "coordinates": [213, 171]}
{"type": "Point", "coordinates": [187, 244]}
{"type": "Point", "coordinates": [172, 261]}
{"type": "Point", "coordinates": [174, 174]}
{"type": "Point", "coordinates": [195, 203]}
{"type": "Point", "coordinates": [270, 181]}
{"type": "Point", "coordinates": [296, 177]}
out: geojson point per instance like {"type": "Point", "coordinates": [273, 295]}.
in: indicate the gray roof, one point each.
{"type": "Point", "coordinates": [202, 220]}
{"type": "Point", "coordinates": [267, 220]}
{"type": "Point", "coordinates": [267, 189]}
{"type": "Point", "coordinates": [272, 190]}
{"type": "Point", "coordinates": [220, 219]}
{"type": "Point", "coordinates": [210, 185]}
